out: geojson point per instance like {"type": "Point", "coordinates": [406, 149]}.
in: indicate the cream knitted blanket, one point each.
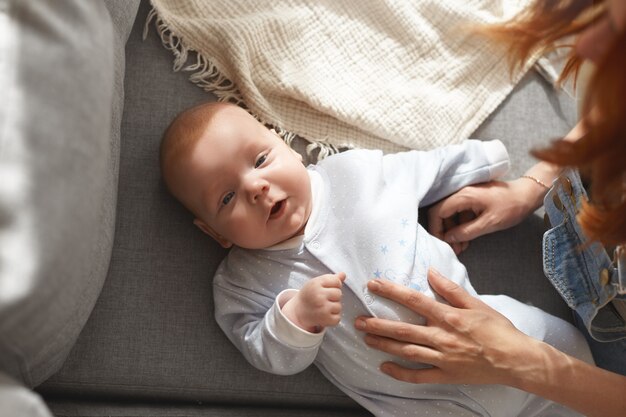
{"type": "Point", "coordinates": [385, 74]}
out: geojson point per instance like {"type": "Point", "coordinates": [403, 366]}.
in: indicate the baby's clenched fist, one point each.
{"type": "Point", "coordinates": [318, 303]}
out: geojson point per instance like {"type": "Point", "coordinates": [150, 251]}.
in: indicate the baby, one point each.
{"type": "Point", "coordinates": [305, 241]}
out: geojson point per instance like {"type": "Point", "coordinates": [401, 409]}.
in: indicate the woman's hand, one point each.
{"type": "Point", "coordinates": [481, 209]}
{"type": "Point", "coordinates": [466, 342]}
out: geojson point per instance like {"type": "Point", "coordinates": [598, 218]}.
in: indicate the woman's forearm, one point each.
{"type": "Point", "coordinates": [559, 377]}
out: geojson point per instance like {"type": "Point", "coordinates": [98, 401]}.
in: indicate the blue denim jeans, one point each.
{"type": "Point", "coordinates": [607, 355]}
{"type": "Point", "coordinates": [584, 274]}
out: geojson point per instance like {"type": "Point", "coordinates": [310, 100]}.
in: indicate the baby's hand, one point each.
{"type": "Point", "coordinates": [317, 304]}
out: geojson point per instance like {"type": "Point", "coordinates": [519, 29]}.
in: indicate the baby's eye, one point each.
{"type": "Point", "coordinates": [260, 161]}
{"type": "Point", "coordinates": [227, 198]}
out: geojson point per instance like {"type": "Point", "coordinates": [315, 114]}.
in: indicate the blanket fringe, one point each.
{"type": "Point", "coordinates": [206, 76]}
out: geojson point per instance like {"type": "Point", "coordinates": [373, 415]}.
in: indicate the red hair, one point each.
{"type": "Point", "coordinates": [601, 153]}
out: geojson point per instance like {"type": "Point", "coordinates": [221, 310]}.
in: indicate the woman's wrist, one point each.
{"type": "Point", "coordinates": [554, 375]}
{"type": "Point", "coordinates": [538, 181]}
{"type": "Point", "coordinates": [547, 371]}
{"type": "Point", "coordinates": [534, 192]}
{"type": "Point", "coordinates": [528, 196]}
{"type": "Point", "coordinates": [534, 369]}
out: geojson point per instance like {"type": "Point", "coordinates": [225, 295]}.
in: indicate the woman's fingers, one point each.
{"type": "Point", "coordinates": [464, 341]}
{"type": "Point", "coordinates": [470, 229]}
{"type": "Point", "coordinates": [452, 292]}
{"type": "Point", "coordinates": [415, 376]}
{"type": "Point", "coordinates": [445, 218]}
{"type": "Point", "coordinates": [414, 300]}
{"type": "Point", "coordinates": [423, 304]}
{"type": "Point", "coordinates": [397, 330]}
{"type": "Point", "coordinates": [413, 352]}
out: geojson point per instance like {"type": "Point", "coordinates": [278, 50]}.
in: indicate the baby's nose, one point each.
{"type": "Point", "coordinates": [256, 188]}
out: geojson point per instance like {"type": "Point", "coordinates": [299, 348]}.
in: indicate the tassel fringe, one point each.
{"type": "Point", "coordinates": [206, 76]}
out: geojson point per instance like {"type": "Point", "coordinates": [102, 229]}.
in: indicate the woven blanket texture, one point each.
{"type": "Point", "coordinates": [383, 74]}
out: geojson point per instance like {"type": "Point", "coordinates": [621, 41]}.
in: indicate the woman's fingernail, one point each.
{"type": "Point", "coordinates": [451, 239]}
{"type": "Point", "coordinates": [435, 272]}
{"type": "Point", "coordinates": [385, 368]}
{"type": "Point", "coordinates": [360, 324]}
{"type": "Point", "coordinates": [374, 285]}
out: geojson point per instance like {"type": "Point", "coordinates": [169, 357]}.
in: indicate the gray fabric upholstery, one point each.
{"type": "Point", "coordinates": [152, 330]}
{"type": "Point", "coordinates": [18, 401]}
{"type": "Point", "coordinates": [58, 164]}
{"type": "Point", "coordinates": [151, 343]}
{"type": "Point", "coordinates": [155, 409]}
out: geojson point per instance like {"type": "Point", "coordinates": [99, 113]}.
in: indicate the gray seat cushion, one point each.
{"type": "Point", "coordinates": [152, 334]}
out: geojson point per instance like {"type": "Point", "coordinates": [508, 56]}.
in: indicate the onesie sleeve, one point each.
{"type": "Point", "coordinates": [251, 322]}
{"type": "Point", "coordinates": [497, 157]}
{"type": "Point", "coordinates": [440, 172]}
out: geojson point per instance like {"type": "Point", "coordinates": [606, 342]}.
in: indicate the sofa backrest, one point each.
{"type": "Point", "coordinates": [61, 78]}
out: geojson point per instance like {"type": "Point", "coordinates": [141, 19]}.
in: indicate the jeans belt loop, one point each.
{"type": "Point", "coordinates": [620, 261]}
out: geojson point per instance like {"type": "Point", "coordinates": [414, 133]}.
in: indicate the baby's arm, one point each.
{"type": "Point", "coordinates": [318, 303]}
{"type": "Point", "coordinates": [254, 321]}
{"type": "Point", "coordinates": [442, 171]}
{"type": "Point", "coordinates": [256, 326]}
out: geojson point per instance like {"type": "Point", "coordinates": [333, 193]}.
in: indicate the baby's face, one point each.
{"type": "Point", "coordinates": [250, 188]}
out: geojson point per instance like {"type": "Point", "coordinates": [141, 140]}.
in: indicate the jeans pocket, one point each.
{"type": "Point", "coordinates": [564, 265]}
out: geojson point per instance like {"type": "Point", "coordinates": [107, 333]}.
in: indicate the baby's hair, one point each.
{"type": "Point", "coordinates": [182, 134]}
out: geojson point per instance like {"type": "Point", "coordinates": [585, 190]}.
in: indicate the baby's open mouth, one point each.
{"type": "Point", "coordinates": [277, 209]}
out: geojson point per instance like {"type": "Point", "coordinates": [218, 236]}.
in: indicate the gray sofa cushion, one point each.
{"type": "Point", "coordinates": [152, 334]}
{"type": "Point", "coordinates": [59, 123]}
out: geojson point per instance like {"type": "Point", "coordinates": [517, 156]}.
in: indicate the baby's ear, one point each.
{"type": "Point", "coordinates": [225, 243]}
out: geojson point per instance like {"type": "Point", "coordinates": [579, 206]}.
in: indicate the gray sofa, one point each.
{"type": "Point", "coordinates": [105, 284]}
